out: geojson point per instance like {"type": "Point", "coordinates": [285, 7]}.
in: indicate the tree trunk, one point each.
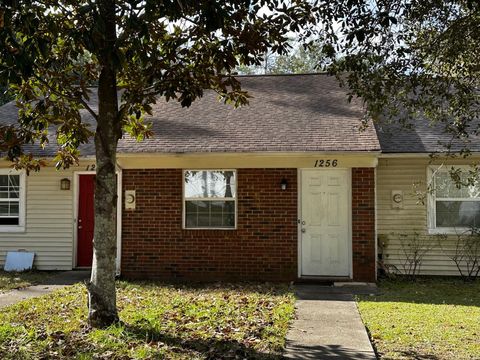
{"type": "Point", "coordinates": [101, 288]}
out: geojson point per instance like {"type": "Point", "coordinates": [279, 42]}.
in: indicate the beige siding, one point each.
{"type": "Point", "coordinates": [49, 221]}
{"type": "Point", "coordinates": [403, 174]}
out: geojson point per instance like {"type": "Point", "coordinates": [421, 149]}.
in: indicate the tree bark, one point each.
{"type": "Point", "coordinates": [101, 288]}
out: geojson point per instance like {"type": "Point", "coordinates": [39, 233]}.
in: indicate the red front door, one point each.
{"type": "Point", "coordinates": [85, 220]}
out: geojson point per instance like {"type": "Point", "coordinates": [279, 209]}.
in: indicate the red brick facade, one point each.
{"type": "Point", "coordinates": [264, 245]}
{"type": "Point", "coordinates": [363, 224]}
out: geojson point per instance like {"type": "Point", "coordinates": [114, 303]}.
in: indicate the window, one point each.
{"type": "Point", "coordinates": [453, 207]}
{"type": "Point", "coordinates": [11, 200]}
{"type": "Point", "coordinates": [209, 199]}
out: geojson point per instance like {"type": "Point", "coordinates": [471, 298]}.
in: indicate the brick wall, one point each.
{"type": "Point", "coordinates": [363, 224]}
{"type": "Point", "coordinates": [263, 247]}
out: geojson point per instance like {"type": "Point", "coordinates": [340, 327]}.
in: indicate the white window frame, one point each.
{"type": "Point", "coordinates": [184, 213]}
{"type": "Point", "coordinates": [21, 202]}
{"type": "Point", "coordinates": [432, 199]}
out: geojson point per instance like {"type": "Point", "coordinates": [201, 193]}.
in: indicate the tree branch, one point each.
{"type": "Point", "coordinates": [69, 97]}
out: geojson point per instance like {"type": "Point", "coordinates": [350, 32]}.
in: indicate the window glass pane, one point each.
{"type": "Point", "coordinates": [209, 184]}
{"type": "Point", "coordinates": [9, 208]}
{"type": "Point", "coordinates": [4, 208]}
{"type": "Point", "coordinates": [215, 214]}
{"type": "Point", "coordinates": [9, 186]}
{"type": "Point", "coordinates": [458, 213]}
{"type": "Point", "coordinates": [14, 209]}
{"type": "Point", "coordinates": [446, 187]}
{"type": "Point", "coordinates": [14, 180]}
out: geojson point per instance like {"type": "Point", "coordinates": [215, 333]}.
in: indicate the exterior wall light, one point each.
{"type": "Point", "coordinates": [65, 184]}
{"type": "Point", "coordinates": [283, 184]}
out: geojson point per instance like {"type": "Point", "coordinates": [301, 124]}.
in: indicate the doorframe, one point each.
{"type": "Point", "coordinates": [300, 172]}
{"type": "Point", "coordinates": [76, 195]}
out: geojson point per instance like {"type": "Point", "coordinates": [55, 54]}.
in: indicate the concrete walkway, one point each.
{"type": "Point", "coordinates": [328, 325]}
{"type": "Point", "coordinates": [55, 282]}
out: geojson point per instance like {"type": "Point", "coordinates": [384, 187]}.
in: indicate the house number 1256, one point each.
{"type": "Point", "coordinates": [326, 163]}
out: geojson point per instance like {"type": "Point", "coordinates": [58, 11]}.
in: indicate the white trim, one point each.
{"type": "Point", "coordinates": [350, 213]}
{"type": "Point", "coordinates": [119, 220]}
{"type": "Point", "coordinates": [376, 221]}
{"type": "Point", "coordinates": [432, 228]}
{"type": "Point", "coordinates": [299, 219]}
{"type": "Point", "coordinates": [22, 202]}
{"type": "Point", "coordinates": [299, 212]}
{"type": "Point", "coordinates": [421, 155]}
{"type": "Point", "coordinates": [234, 199]}
{"type": "Point", "coordinates": [254, 153]}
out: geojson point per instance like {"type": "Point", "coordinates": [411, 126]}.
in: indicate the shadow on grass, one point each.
{"type": "Point", "coordinates": [412, 354]}
{"type": "Point", "coordinates": [326, 352]}
{"type": "Point", "coordinates": [428, 290]}
{"type": "Point", "coordinates": [209, 349]}
{"type": "Point", "coordinates": [270, 288]}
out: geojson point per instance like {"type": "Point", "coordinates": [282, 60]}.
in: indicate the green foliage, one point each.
{"type": "Point", "coordinates": [433, 318]}
{"type": "Point", "coordinates": [4, 96]}
{"type": "Point", "coordinates": [52, 51]}
{"type": "Point", "coordinates": [138, 52]}
{"type": "Point", "coordinates": [408, 59]}
{"type": "Point", "coordinates": [299, 60]}
{"type": "Point", "coordinates": [160, 321]}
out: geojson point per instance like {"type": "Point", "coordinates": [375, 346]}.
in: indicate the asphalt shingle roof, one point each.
{"type": "Point", "coordinates": [285, 113]}
{"type": "Point", "coordinates": [298, 113]}
{"type": "Point", "coordinates": [422, 137]}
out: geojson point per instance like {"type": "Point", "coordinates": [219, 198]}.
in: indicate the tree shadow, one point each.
{"type": "Point", "coordinates": [209, 349]}
{"type": "Point", "coordinates": [266, 288]}
{"type": "Point", "coordinates": [430, 291]}
{"type": "Point", "coordinates": [413, 354]}
{"type": "Point", "coordinates": [325, 352]}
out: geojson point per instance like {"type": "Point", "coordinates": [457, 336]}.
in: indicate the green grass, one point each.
{"type": "Point", "coordinates": [428, 319]}
{"type": "Point", "coordinates": [17, 280]}
{"type": "Point", "coordinates": [158, 322]}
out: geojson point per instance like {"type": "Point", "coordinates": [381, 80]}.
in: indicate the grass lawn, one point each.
{"type": "Point", "coordinates": [159, 322]}
{"type": "Point", "coordinates": [14, 280]}
{"type": "Point", "coordinates": [428, 319]}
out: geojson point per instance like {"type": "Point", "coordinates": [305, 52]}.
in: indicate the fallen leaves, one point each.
{"type": "Point", "coordinates": [220, 321]}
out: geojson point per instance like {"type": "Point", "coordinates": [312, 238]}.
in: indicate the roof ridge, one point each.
{"type": "Point", "coordinates": [282, 75]}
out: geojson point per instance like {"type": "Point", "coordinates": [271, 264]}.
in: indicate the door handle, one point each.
{"type": "Point", "coordinates": [80, 226]}
{"type": "Point", "coordinates": [304, 230]}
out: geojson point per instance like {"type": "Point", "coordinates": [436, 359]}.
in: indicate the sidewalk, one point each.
{"type": "Point", "coordinates": [328, 325]}
{"type": "Point", "coordinates": [57, 281]}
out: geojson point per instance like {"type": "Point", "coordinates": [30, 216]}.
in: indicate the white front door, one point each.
{"type": "Point", "coordinates": [325, 223]}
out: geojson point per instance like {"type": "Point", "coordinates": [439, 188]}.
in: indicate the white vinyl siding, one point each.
{"type": "Point", "coordinates": [402, 174]}
{"type": "Point", "coordinates": [48, 222]}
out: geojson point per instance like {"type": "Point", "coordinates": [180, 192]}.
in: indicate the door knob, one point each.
{"type": "Point", "coordinates": [304, 230]}
{"type": "Point", "coordinates": [80, 226]}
